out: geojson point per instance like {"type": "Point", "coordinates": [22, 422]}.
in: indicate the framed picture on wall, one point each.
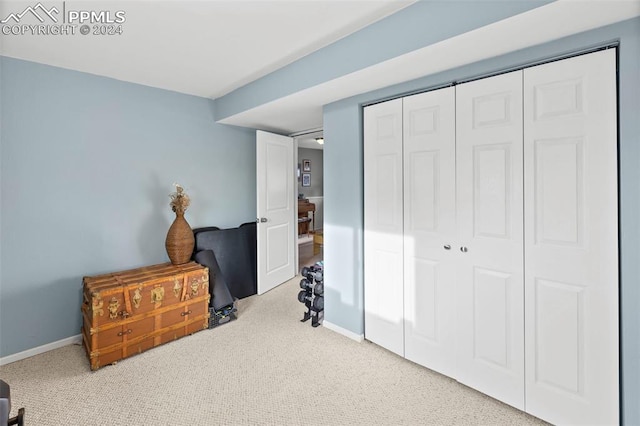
{"type": "Point", "coordinates": [306, 179]}
{"type": "Point", "coordinates": [306, 165]}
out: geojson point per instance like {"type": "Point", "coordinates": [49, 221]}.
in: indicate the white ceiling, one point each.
{"type": "Point", "coordinates": [203, 48]}
{"type": "Point", "coordinates": [208, 48]}
{"type": "Point", "coordinates": [303, 110]}
{"type": "Point", "coordinates": [308, 140]}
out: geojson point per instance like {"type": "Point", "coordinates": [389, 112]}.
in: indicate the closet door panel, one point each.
{"type": "Point", "coordinates": [429, 226]}
{"type": "Point", "coordinates": [490, 311]}
{"type": "Point", "coordinates": [383, 225]}
{"type": "Point", "coordinates": [571, 240]}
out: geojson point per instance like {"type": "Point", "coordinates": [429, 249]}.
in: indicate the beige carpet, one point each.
{"type": "Point", "coordinates": [264, 368]}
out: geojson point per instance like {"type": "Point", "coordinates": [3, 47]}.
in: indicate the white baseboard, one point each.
{"type": "Point", "coordinates": [41, 349]}
{"type": "Point", "coordinates": [348, 333]}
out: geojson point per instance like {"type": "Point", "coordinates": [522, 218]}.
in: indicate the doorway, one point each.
{"type": "Point", "coordinates": [310, 196]}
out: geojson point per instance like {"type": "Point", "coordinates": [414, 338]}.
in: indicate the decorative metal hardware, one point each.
{"type": "Point", "coordinates": [122, 333]}
{"type": "Point", "coordinates": [157, 295]}
{"type": "Point", "coordinates": [97, 304]}
{"type": "Point", "coordinates": [137, 298]}
{"type": "Point", "coordinates": [205, 281]}
{"type": "Point", "coordinates": [124, 314]}
{"type": "Point", "coordinates": [184, 314]}
{"type": "Point", "coordinates": [113, 308]}
{"type": "Point", "coordinates": [194, 287]}
{"type": "Point", "coordinates": [176, 287]}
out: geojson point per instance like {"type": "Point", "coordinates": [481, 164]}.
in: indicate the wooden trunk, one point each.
{"type": "Point", "coordinates": [125, 313]}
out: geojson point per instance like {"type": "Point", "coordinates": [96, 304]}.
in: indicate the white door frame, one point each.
{"type": "Point", "coordinates": [296, 137]}
{"type": "Point", "coordinates": [295, 186]}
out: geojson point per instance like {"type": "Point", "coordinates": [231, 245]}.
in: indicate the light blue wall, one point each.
{"type": "Point", "coordinates": [86, 168]}
{"type": "Point", "coordinates": [418, 25]}
{"type": "Point", "coordinates": [344, 190]}
{"type": "Point", "coordinates": [317, 160]}
{"type": "Point", "coordinates": [343, 215]}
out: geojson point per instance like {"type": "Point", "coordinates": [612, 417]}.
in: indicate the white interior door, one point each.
{"type": "Point", "coordinates": [490, 311]}
{"type": "Point", "coordinates": [275, 209]}
{"type": "Point", "coordinates": [571, 240]}
{"type": "Point", "coordinates": [429, 229]}
{"type": "Point", "coordinates": [383, 240]}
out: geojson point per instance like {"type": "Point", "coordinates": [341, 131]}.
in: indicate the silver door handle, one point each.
{"type": "Point", "coordinates": [447, 247]}
{"type": "Point", "coordinates": [464, 249]}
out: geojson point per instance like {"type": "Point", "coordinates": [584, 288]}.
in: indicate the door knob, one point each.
{"type": "Point", "coordinates": [263, 219]}
{"type": "Point", "coordinates": [447, 247]}
{"type": "Point", "coordinates": [464, 249]}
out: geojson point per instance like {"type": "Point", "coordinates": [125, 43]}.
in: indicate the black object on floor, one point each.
{"type": "Point", "coordinates": [312, 294]}
{"type": "Point", "coordinates": [5, 407]}
{"type": "Point", "coordinates": [222, 316]}
{"type": "Point", "coordinates": [235, 251]}
{"type": "Point", "coordinates": [222, 304]}
{"type": "Point", "coordinates": [218, 288]}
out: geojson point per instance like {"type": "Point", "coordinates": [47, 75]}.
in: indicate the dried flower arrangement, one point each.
{"type": "Point", "coordinates": [179, 200]}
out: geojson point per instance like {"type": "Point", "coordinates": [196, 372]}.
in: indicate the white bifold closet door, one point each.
{"type": "Point", "coordinates": [383, 226]}
{"type": "Point", "coordinates": [491, 235]}
{"type": "Point", "coordinates": [429, 229]}
{"type": "Point", "coordinates": [490, 293]}
{"type": "Point", "coordinates": [571, 240]}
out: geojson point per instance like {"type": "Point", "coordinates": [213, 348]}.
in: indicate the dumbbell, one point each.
{"type": "Point", "coordinates": [312, 274]}
{"type": "Point", "coordinates": [305, 284]}
{"type": "Point", "coordinates": [308, 269]}
{"type": "Point", "coordinates": [317, 302]}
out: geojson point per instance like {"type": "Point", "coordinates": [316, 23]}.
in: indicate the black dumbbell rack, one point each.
{"type": "Point", "coordinates": [312, 293]}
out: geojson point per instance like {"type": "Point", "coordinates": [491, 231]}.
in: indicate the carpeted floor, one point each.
{"type": "Point", "coordinates": [264, 368]}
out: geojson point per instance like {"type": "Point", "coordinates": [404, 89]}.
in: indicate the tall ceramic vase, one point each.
{"type": "Point", "coordinates": [180, 241]}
